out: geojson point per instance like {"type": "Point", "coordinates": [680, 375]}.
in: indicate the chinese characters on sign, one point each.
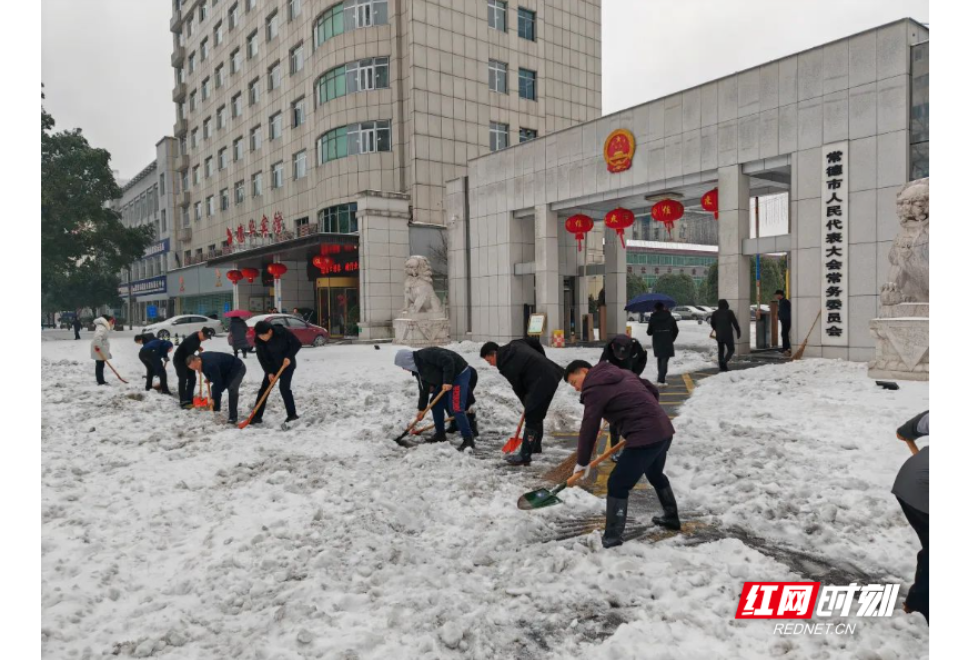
{"type": "Point", "coordinates": [797, 600]}
{"type": "Point", "coordinates": [835, 244]}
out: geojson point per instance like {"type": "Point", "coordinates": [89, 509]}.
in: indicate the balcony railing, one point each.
{"type": "Point", "coordinates": [175, 24]}
{"type": "Point", "coordinates": [178, 94]}
{"type": "Point", "coordinates": [186, 198]}
{"type": "Point", "coordinates": [178, 56]}
{"type": "Point", "coordinates": [181, 127]}
{"type": "Point", "coordinates": [185, 234]}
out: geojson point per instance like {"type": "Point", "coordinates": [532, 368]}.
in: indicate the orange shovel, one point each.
{"type": "Point", "coordinates": [516, 440]}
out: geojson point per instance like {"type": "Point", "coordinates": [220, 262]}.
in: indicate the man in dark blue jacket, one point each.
{"type": "Point", "coordinates": [784, 315]}
{"type": "Point", "coordinates": [632, 405]}
{"type": "Point", "coordinates": [154, 355]}
{"type": "Point", "coordinates": [276, 348]}
{"type": "Point", "coordinates": [224, 372]}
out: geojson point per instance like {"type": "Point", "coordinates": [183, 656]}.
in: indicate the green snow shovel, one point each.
{"type": "Point", "coordinates": [543, 497]}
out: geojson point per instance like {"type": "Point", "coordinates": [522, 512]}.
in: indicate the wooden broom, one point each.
{"type": "Point", "coordinates": [801, 349]}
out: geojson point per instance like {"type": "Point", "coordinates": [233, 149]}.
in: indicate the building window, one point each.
{"type": "Point", "coordinates": [498, 136]}
{"type": "Point", "coordinates": [295, 7]}
{"type": "Point", "coordinates": [527, 84]}
{"type": "Point", "coordinates": [252, 44]}
{"type": "Point", "coordinates": [203, 11]}
{"type": "Point", "coordinates": [299, 114]}
{"type": "Point", "coordinates": [224, 199]}
{"type": "Point", "coordinates": [208, 167]}
{"type": "Point", "coordinates": [329, 25]}
{"type": "Point", "coordinates": [332, 145]}
{"type": "Point", "coordinates": [205, 88]}
{"type": "Point", "coordinates": [192, 102]}
{"type": "Point", "coordinates": [185, 180]}
{"type": "Point", "coordinates": [370, 73]}
{"type": "Point", "coordinates": [235, 61]}
{"type": "Point", "coordinates": [163, 225]}
{"type": "Point", "coordinates": [299, 164]}
{"type": "Point", "coordinates": [919, 111]}
{"type": "Point", "coordinates": [296, 59]}
{"type": "Point", "coordinates": [258, 184]}
{"type": "Point", "coordinates": [221, 117]}
{"type": "Point", "coordinates": [368, 137]}
{"type": "Point", "coordinates": [497, 11]}
{"type": "Point", "coordinates": [255, 138]}
{"type": "Point", "coordinates": [527, 24]}
{"type": "Point", "coordinates": [220, 78]}
{"type": "Point", "coordinates": [498, 76]}
{"type": "Point", "coordinates": [240, 191]}
{"type": "Point", "coordinates": [198, 211]}
{"type": "Point", "coordinates": [210, 206]}
{"type": "Point", "coordinates": [526, 134]}
{"type": "Point", "coordinates": [365, 13]}
{"type": "Point", "coordinates": [223, 158]}
{"type": "Point", "coordinates": [254, 92]}
{"type": "Point", "coordinates": [273, 26]}
{"type": "Point", "coordinates": [217, 34]}
{"type": "Point", "coordinates": [196, 175]}
{"type": "Point", "coordinates": [237, 105]}
{"type": "Point", "coordinates": [277, 181]}
{"type": "Point", "coordinates": [340, 219]}
{"type": "Point", "coordinates": [161, 184]}
{"type": "Point", "coordinates": [276, 126]}
{"type": "Point", "coordinates": [234, 16]}
{"type": "Point", "coordinates": [204, 49]}
{"type": "Point", "coordinates": [250, 5]}
{"type": "Point", "coordinates": [207, 128]}
{"type": "Point", "coordinates": [192, 62]}
{"type": "Point", "coordinates": [331, 85]}
{"type": "Point", "coordinates": [237, 149]}
{"type": "Point", "coordinates": [186, 220]}
{"type": "Point", "coordinates": [274, 77]}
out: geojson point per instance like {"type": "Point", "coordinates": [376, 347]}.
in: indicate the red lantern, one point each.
{"type": "Point", "coordinates": [234, 276]}
{"type": "Point", "coordinates": [250, 274]}
{"type": "Point", "coordinates": [277, 270]}
{"type": "Point", "coordinates": [709, 202]}
{"type": "Point", "coordinates": [619, 219]}
{"type": "Point", "coordinates": [579, 225]}
{"type": "Point", "coordinates": [324, 264]}
{"type": "Point", "coordinates": [667, 211]}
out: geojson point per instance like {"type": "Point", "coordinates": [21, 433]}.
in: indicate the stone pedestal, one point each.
{"type": "Point", "coordinates": [422, 329]}
{"type": "Point", "coordinates": [902, 335]}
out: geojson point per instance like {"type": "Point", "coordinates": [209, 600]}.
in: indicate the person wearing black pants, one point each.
{"type": "Point", "coordinates": [626, 353]}
{"type": "Point", "coordinates": [276, 349]}
{"type": "Point", "coordinates": [723, 321]}
{"type": "Point", "coordinates": [784, 315]}
{"type": "Point", "coordinates": [225, 373]}
{"type": "Point", "coordinates": [632, 405]}
{"type": "Point", "coordinates": [186, 376]}
{"type": "Point", "coordinates": [912, 491]}
{"type": "Point", "coordinates": [663, 328]}
{"type": "Point", "coordinates": [534, 379]}
{"type": "Point", "coordinates": [154, 355]}
{"type": "Point", "coordinates": [101, 346]}
{"type": "Point", "coordinates": [77, 327]}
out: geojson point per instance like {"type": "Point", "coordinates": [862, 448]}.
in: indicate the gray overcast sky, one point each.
{"type": "Point", "coordinates": [105, 63]}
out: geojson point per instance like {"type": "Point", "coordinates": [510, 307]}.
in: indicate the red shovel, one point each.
{"type": "Point", "coordinates": [516, 440]}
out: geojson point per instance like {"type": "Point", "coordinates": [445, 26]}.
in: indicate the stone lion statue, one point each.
{"type": "Point", "coordinates": [909, 257]}
{"type": "Point", "coordinates": [419, 295]}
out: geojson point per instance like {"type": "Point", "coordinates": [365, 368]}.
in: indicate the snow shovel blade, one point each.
{"type": "Point", "coordinates": [540, 498]}
{"type": "Point", "coordinates": [511, 445]}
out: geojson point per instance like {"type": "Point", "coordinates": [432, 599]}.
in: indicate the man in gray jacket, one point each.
{"type": "Point", "coordinates": [912, 490]}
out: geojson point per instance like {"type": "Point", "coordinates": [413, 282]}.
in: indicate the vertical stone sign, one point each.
{"type": "Point", "coordinates": [835, 244]}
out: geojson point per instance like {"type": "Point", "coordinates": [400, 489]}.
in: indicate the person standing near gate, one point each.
{"type": "Point", "coordinates": [784, 315]}
{"type": "Point", "coordinates": [724, 321]}
{"type": "Point", "coordinates": [276, 349]}
{"type": "Point", "coordinates": [663, 328]}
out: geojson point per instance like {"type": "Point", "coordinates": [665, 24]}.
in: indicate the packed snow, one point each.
{"type": "Point", "coordinates": [168, 533]}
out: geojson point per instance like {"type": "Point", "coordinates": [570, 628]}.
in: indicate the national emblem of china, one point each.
{"type": "Point", "coordinates": [618, 150]}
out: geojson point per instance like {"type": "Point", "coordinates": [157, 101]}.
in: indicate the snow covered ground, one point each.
{"type": "Point", "coordinates": [167, 533]}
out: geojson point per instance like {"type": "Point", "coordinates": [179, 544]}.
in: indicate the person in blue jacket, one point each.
{"type": "Point", "coordinates": [224, 372]}
{"type": "Point", "coordinates": [154, 355]}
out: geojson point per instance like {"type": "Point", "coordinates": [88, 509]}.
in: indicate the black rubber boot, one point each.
{"type": "Point", "coordinates": [615, 522]}
{"type": "Point", "coordinates": [537, 442]}
{"type": "Point", "coordinates": [452, 426]}
{"type": "Point", "coordinates": [524, 455]}
{"type": "Point", "coordinates": [473, 422]}
{"type": "Point", "coordinates": [670, 519]}
{"type": "Point", "coordinates": [292, 418]}
{"type": "Point", "coordinates": [437, 437]}
{"type": "Point", "coordinates": [467, 443]}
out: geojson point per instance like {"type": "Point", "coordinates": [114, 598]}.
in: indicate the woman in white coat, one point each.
{"type": "Point", "coordinates": [101, 345]}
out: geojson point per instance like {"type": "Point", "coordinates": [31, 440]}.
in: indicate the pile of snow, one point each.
{"type": "Point", "coordinates": [167, 533]}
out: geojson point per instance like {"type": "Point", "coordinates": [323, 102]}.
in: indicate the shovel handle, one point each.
{"type": "Point", "coordinates": [573, 480]}
{"type": "Point", "coordinates": [912, 445]}
{"type": "Point", "coordinates": [518, 430]}
{"type": "Point", "coordinates": [428, 427]}
{"type": "Point", "coordinates": [425, 411]}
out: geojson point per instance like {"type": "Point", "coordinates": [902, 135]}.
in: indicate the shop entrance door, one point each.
{"type": "Point", "coordinates": [338, 306]}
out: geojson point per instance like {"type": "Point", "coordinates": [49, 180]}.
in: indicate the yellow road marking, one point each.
{"type": "Point", "coordinates": [689, 382]}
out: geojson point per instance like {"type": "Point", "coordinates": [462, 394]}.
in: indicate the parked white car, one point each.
{"type": "Point", "coordinates": [182, 325]}
{"type": "Point", "coordinates": [690, 312]}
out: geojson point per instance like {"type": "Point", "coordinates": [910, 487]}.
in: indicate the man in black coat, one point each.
{"type": "Point", "coordinates": [534, 379]}
{"type": "Point", "coordinates": [276, 349]}
{"type": "Point", "coordinates": [912, 491]}
{"type": "Point", "coordinates": [186, 376]}
{"type": "Point", "coordinates": [438, 369]}
{"type": "Point", "coordinates": [77, 327]}
{"type": "Point", "coordinates": [723, 321]}
{"type": "Point", "coordinates": [626, 353]}
{"type": "Point", "coordinates": [154, 355]}
{"type": "Point", "coordinates": [663, 328]}
{"type": "Point", "coordinates": [224, 372]}
{"type": "Point", "coordinates": [784, 315]}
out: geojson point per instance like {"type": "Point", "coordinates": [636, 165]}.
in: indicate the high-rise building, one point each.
{"type": "Point", "coordinates": [317, 129]}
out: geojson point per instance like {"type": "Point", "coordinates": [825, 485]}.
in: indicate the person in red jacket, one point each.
{"type": "Point", "coordinates": [632, 405]}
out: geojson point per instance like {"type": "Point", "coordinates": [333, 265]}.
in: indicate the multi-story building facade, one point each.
{"type": "Point", "coordinates": [310, 128]}
{"type": "Point", "coordinates": [149, 199]}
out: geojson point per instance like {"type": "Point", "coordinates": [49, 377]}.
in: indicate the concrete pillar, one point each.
{"type": "Point", "coordinates": [733, 268]}
{"type": "Point", "coordinates": [382, 218]}
{"type": "Point", "coordinates": [548, 280]}
{"type": "Point", "coordinates": [458, 257]}
{"type": "Point", "coordinates": [614, 282]}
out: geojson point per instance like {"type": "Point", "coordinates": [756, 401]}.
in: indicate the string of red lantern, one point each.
{"type": "Point", "coordinates": [579, 225]}
{"type": "Point", "coordinates": [250, 274]}
{"type": "Point", "coordinates": [709, 202]}
{"type": "Point", "coordinates": [234, 276]}
{"type": "Point", "coordinates": [277, 270]}
{"type": "Point", "coordinates": [323, 263]}
{"type": "Point", "coordinates": [667, 211]}
{"type": "Point", "coordinates": [619, 219]}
